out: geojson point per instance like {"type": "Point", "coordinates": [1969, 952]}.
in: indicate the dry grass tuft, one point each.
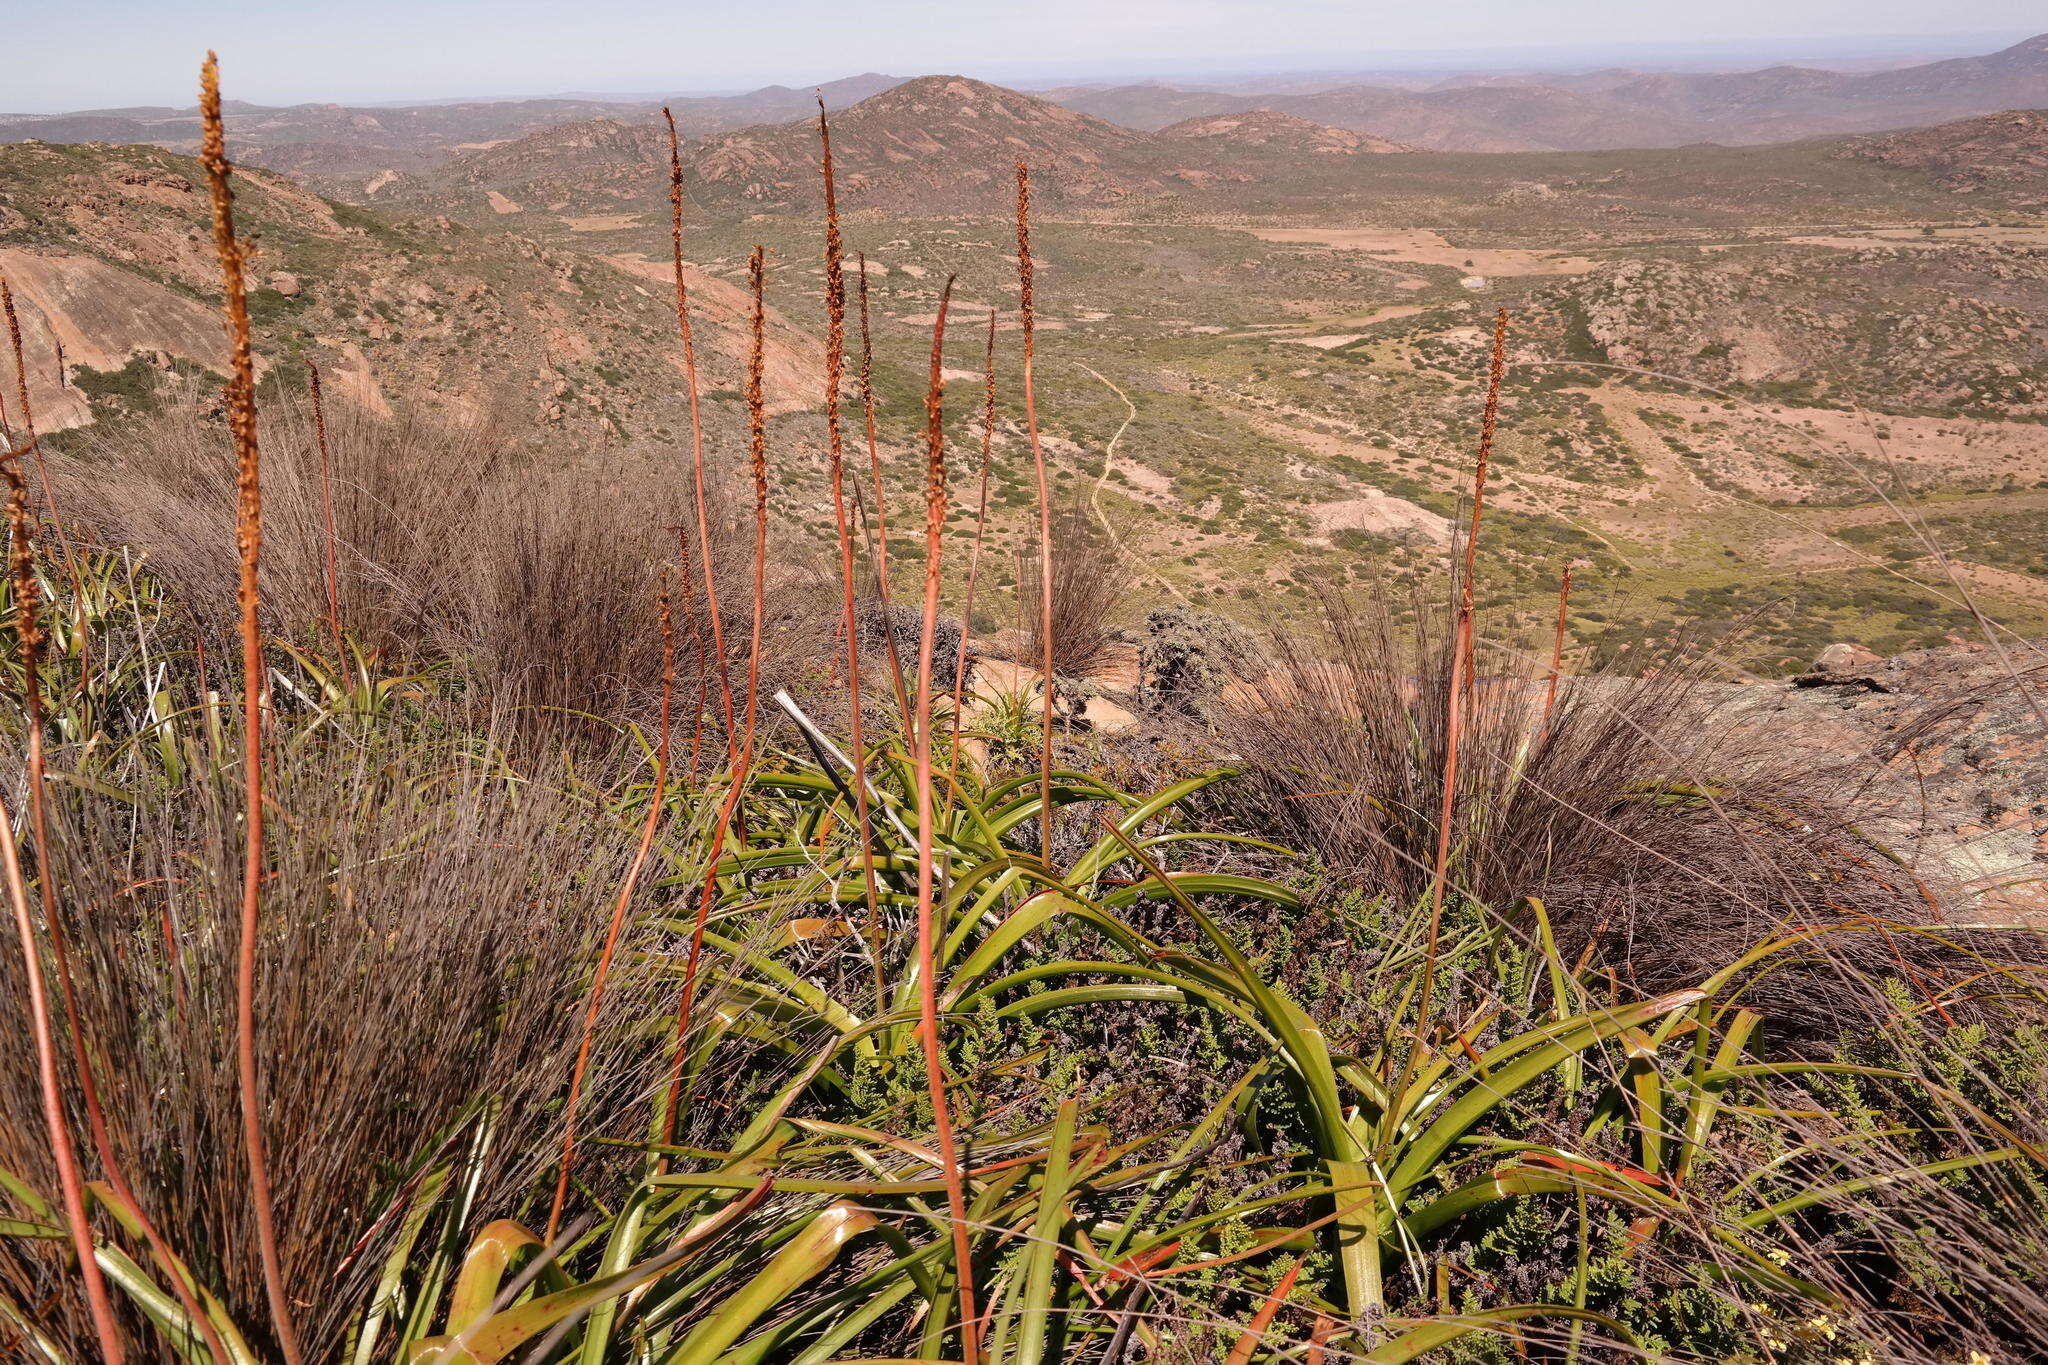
{"type": "Point", "coordinates": [1659, 836]}
{"type": "Point", "coordinates": [431, 946]}
{"type": "Point", "coordinates": [1091, 579]}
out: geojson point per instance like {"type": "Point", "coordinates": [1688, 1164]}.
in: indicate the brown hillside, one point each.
{"type": "Point", "coordinates": [110, 253]}
{"type": "Point", "coordinates": [1270, 131]}
{"type": "Point", "coordinates": [2007, 151]}
{"type": "Point", "coordinates": [937, 142]}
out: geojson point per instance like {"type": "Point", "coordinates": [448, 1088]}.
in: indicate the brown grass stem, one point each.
{"type": "Point", "coordinates": [641, 852]}
{"type": "Point", "coordinates": [327, 510]}
{"type": "Point", "coordinates": [1564, 601]}
{"type": "Point", "coordinates": [249, 545]}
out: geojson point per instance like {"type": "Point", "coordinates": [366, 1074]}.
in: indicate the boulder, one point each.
{"type": "Point", "coordinates": [1105, 717]}
{"type": "Point", "coordinates": [1843, 656]}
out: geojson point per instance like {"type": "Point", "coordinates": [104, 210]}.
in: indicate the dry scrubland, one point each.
{"type": "Point", "coordinates": [465, 909]}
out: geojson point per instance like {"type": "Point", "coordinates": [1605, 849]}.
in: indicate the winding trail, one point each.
{"type": "Point", "coordinates": [1108, 468]}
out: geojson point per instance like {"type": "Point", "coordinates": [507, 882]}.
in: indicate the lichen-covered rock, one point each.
{"type": "Point", "coordinates": [1948, 756]}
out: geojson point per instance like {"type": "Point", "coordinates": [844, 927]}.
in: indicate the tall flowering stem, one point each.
{"type": "Point", "coordinates": [1027, 314]}
{"type": "Point", "coordinates": [927, 871]}
{"type": "Point", "coordinates": [835, 458]}
{"type": "Point", "coordinates": [1460, 683]}
{"type": "Point", "coordinates": [249, 552]}
{"type": "Point", "coordinates": [675, 199]}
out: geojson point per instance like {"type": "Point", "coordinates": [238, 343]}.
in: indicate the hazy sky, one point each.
{"type": "Point", "coordinates": [72, 54]}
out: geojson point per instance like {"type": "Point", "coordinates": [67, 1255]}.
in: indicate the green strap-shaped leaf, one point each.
{"type": "Point", "coordinates": [1040, 1255]}
{"type": "Point", "coordinates": [1417, 1342]}
{"type": "Point", "coordinates": [802, 1259]}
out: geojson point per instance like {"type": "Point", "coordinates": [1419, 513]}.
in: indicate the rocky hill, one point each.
{"type": "Point", "coordinates": [337, 148]}
{"type": "Point", "coordinates": [2006, 151]}
{"type": "Point", "coordinates": [1279, 133]}
{"type": "Point", "coordinates": [1895, 327]}
{"type": "Point", "coordinates": [936, 141]}
{"type": "Point", "coordinates": [110, 254]}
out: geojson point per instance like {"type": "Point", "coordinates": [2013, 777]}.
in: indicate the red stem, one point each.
{"type": "Point", "coordinates": [1027, 311]}
{"type": "Point", "coordinates": [611, 936]}
{"type": "Point", "coordinates": [921, 756]}
{"type": "Point", "coordinates": [249, 543]}
{"type": "Point", "coordinates": [675, 195]}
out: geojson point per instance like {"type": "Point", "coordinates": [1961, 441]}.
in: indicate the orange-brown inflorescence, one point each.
{"type": "Point", "coordinates": [1026, 306]}
{"type": "Point", "coordinates": [249, 548]}
{"type": "Point", "coordinates": [675, 199]}
{"type": "Point", "coordinates": [835, 456]}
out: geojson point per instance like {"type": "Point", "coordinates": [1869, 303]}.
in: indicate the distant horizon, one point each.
{"type": "Point", "coordinates": [113, 54]}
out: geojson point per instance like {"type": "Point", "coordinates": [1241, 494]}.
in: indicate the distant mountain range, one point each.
{"type": "Point", "coordinates": [941, 143]}
{"type": "Point", "coordinates": [336, 140]}
{"type": "Point", "coordinates": [1606, 109]}
{"type": "Point", "coordinates": [933, 144]}
{"type": "Point", "coordinates": [1615, 108]}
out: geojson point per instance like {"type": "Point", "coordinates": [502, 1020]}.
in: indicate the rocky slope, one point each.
{"type": "Point", "coordinates": [2005, 151]}
{"type": "Point", "coordinates": [110, 254]}
{"type": "Point", "coordinates": [1918, 323]}
{"type": "Point", "coordinates": [1948, 751]}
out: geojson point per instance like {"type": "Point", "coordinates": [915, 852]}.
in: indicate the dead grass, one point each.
{"type": "Point", "coordinates": [1658, 835]}
{"type": "Point", "coordinates": [430, 938]}
{"type": "Point", "coordinates": [535, 584]}
{"type": "Point", "coordinates": [1091, 579]}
